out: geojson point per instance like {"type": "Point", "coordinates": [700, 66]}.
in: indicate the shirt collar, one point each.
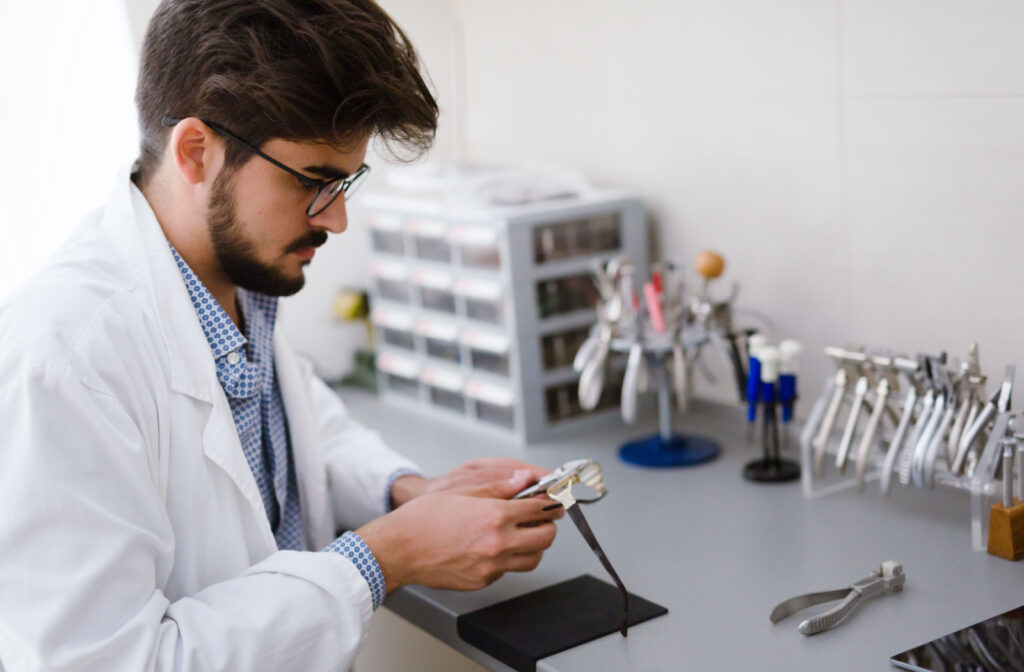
{"type": "Point", "coordinates": [241, 377]}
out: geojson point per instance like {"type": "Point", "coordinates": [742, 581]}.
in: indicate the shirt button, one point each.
{"type": "Point", "coordinates": [233, 358]}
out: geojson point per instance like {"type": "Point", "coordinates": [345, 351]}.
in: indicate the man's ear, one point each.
{"type": "Point", "coordinates": [197, 153]}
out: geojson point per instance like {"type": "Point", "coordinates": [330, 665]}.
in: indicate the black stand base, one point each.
{"type": "Point", "coordinates": [521, 631]}
{"type": "Point", "coordinates": [771, 471]}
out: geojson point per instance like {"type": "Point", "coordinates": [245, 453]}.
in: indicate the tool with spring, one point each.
{"type": "Point", "coordinates": [999, 402]}
{"type": "Point", "coordinates": [558, 485]}
{"type": "Point", "coordinates": [888, 384]}
{"type": "Point", "coordinates": [971, 380]}
{"type": "Point", "coordinates": [927, 450]}
{"type": "Point", "coordinates": [860, 390]}
{"type": "Point", "coordinates": [911, 371]}
{"type": "Point", "coordinates": [889, 578]}
{"type": "Point", "coordinates": [923, 418]}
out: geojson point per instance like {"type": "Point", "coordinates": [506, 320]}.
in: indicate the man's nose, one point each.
{"type": "Point", "coordinates": [334, 218]}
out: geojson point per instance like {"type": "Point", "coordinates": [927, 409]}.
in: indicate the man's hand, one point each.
{"type": "Point", "coordinates": [462, 538]}
{"type": "Point", "coordinates": [475, 472]}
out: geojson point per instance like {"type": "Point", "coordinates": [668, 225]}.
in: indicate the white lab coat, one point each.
{"type": "Point", "coordinates": [132, 534]}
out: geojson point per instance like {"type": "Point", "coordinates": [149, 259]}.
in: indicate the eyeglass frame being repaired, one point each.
{"type": "Point", "coordinates": [558, 486]}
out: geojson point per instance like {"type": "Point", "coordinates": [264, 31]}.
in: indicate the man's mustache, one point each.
{"type": "Point", "coordinates": [314, 239]}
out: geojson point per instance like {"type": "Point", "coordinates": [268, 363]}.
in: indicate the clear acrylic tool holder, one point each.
{"type": "Point", "coordinates": [981, 484]}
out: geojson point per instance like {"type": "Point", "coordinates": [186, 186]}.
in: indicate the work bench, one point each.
{"type": "Point", "coordinates": [719, 553]}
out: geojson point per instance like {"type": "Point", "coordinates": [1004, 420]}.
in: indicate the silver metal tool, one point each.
{"type": "Point", "coordinates": [592, 377]}
{"type": "Point", "coordinates": [604, 280]}
{"type": "Point", "coordinates": [674, 311]}
{"type": "Point", "coordinates": [592, 357]}
{"type": "Point", "coordinates": [1020, 470]}
{"type": "Point", "coordinates": [587, 349]}
{"type": "Point", "coordinates": [631, 380]}
{"type": "Point", "coordinates": [924, 415]}
{"type": "Point", "coordinates": [859, 392]}
{"type": "Point", "coordinates": [888, 382]}
{"type": "Point", "coordinates": [609, 312]}
{"type": "Point", "coordinates": [970, 379]}
{"type": "Point", "coordinates": [912, 372]}
{"type": "Point", "coordinates": [998, 402]}
{"type": "Point", "coordinates": [924, 443]}
{"type": "Point", "coordinates": [932, 454]}
{"type": "Point", "coordinates": [888, 578]}
{"type": "Point", "coordinates": [937, 441]}
{"type": "Point", "coordinates": [849, 364]}
{"type": "Point", "coordinates": [644, 375]}
{"type": "Point", "coordinates": [587, 472]}
{"type": "Point", "coordinates": [680, 375]}
{"type": "Point", "coordinates": [558, 486]}
{"type": "Point", "coordinates": [831, 412]}
{"type": "Point", "coordinates": [1007, 447]}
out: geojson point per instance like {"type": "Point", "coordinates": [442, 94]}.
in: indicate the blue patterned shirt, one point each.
{"type": "Point", "coordinates": [245, 369]}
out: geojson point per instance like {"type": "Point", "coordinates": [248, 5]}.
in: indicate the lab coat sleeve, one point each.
{"type": "Point", "coordinates": [359, 463]}
{"type": "Point", "coordinates": [85, 545]}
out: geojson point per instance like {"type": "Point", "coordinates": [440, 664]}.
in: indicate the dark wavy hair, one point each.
{"type": "Point", "coordinates": [332, 71]}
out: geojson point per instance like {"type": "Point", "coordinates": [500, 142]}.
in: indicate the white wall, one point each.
{"type": "Point", "coordinates": [61, 146]}
{"type": "Point", "coordinates": [305, 318]}
{"type": "Point", "coordinates": [860, 163]}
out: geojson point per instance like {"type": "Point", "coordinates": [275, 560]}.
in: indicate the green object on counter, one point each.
{"type": "Point", "coordinates": [364, 370]}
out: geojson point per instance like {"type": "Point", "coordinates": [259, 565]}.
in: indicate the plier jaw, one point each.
{"type": "Point", "coordinates": [558, 484]}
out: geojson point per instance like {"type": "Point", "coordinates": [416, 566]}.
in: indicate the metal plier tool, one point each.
{"type": "Point", "coordinates": [888, 578]}
{"type": "Point", "coordinates": [558, 486]}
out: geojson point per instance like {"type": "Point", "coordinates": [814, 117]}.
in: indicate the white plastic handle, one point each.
{"type": "Point", "coordinates": [770, 359]}
{"type": "Point", "coordinates": [791, 350]}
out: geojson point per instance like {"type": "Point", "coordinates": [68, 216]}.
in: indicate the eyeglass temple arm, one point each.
{"type": "Point", "coordinates": [319, 184]}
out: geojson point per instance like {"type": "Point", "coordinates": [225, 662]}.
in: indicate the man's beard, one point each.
{"type": "Point", "coordinates": [237, 255]}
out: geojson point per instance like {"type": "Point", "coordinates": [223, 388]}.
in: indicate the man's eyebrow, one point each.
{"type": "Point", "coordinates": [326, 172]}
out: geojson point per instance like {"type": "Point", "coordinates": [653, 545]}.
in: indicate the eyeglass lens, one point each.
{"type": "Point", "coordinates": [332, 190]}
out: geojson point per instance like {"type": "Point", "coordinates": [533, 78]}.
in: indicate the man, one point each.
{"type": "Point", "coordinates": [172, 476]}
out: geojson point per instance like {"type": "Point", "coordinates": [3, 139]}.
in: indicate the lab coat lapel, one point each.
{"type": "Point", "coordinates": [134, 229]}
{"type": "Point", "coordinates": [292, 376]}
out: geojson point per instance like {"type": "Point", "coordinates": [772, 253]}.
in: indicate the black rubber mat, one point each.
{"type": "Point", "coordinates": [521, 631]}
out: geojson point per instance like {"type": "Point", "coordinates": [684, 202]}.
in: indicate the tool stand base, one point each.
{"type": "Point", "coordinates": [676, 451]}
{"type": "Point", "coordinates": [1006, 531]}
{"type": "Point", "coordinates": [771, 471]}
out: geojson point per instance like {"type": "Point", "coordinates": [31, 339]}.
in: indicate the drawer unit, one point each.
{"type": "Point", "coordinates": [496, 300]}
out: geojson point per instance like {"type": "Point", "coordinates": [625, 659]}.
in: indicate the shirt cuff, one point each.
{"type": "Point", "coordinates": [352, 546]}
{"type": "Point", "coordinates": [388, 504]}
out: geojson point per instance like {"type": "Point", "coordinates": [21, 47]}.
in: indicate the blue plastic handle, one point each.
{"type": "Point", "coordinates": [787, 395]}
{"type": "Point", "coordinates": [753, 388]}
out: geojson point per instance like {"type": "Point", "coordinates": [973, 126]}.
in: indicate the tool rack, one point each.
{"type": "Point", "coordinates": [481, 308]}
{"type": "Point", "coordinates": [982, 483]}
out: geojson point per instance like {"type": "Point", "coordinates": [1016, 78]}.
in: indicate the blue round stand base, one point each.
{"type": "Point", "coordinates": [676, 451]}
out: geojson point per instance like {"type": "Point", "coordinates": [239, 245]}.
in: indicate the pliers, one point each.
{"type": "Point", "coordinates": [888, 578]}
{"type": "Point", "coordinates": [558, 483]}
{"type": "Point", "coordinates": [558, 486]}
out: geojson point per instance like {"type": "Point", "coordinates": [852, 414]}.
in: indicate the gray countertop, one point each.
{"type": "Point", "coordinates": [719, 553]}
